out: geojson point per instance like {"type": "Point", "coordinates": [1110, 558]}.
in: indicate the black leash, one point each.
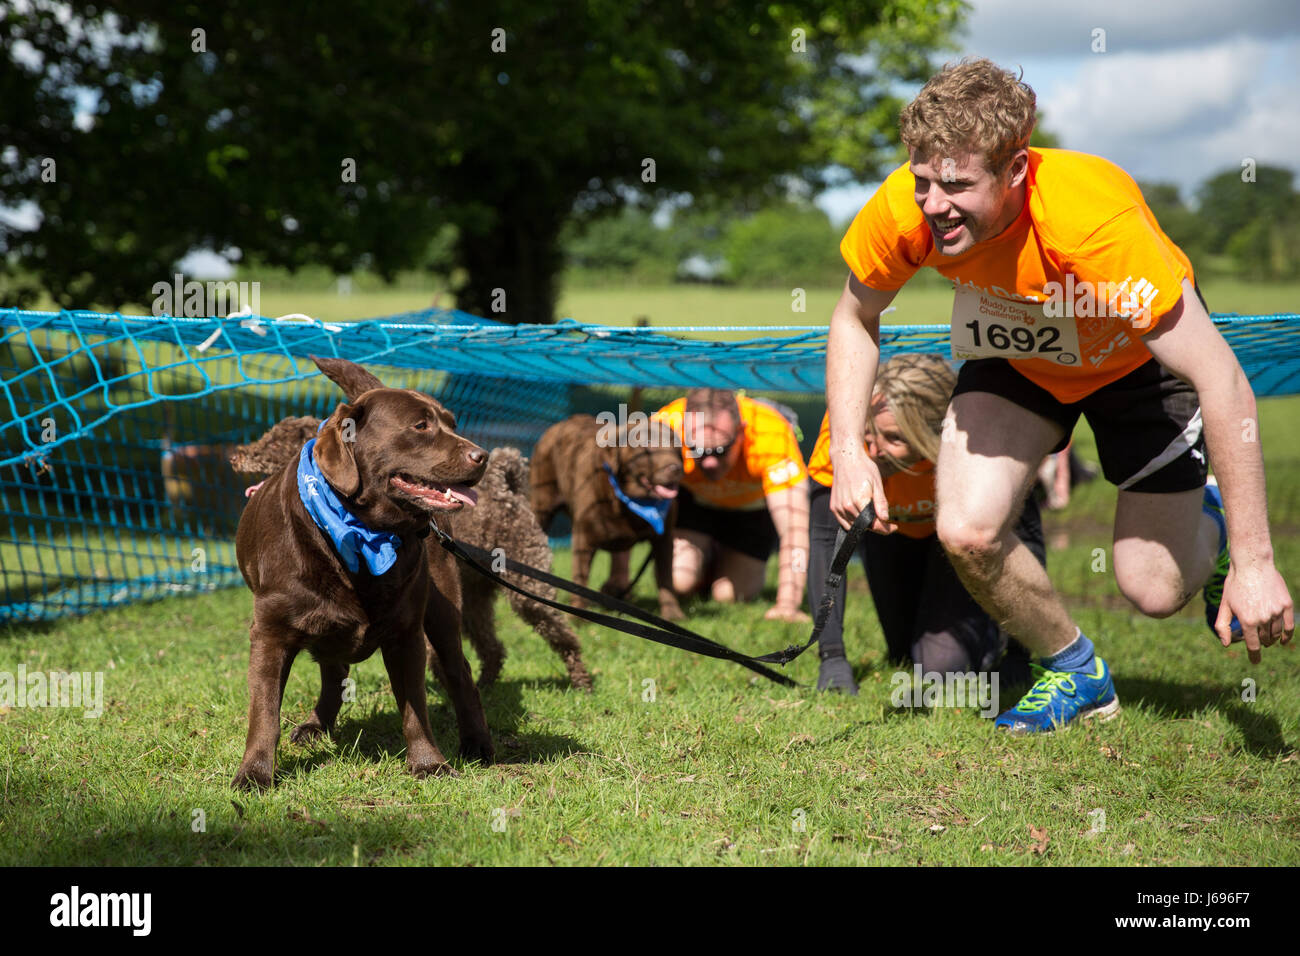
{"type": "Point", "coordinates": [657, 629]}
{"type": "Point", "coordinates": [846, 543]}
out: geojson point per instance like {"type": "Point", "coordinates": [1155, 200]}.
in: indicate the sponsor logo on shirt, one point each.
{"type": "Point", "coordinates": [783, 472]}
{"type": "Point", "coordinates": [922, 510]}
{"type": "Point", "coordinates": [1118, 342]}
{"type": "Point", "coordinates": [996, 290]}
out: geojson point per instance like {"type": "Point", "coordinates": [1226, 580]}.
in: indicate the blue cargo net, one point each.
{"type": "Point", "coordinates": [116, 430]}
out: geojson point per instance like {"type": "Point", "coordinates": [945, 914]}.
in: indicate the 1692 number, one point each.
{"type": "Point", "coordinates": [1019, 338]}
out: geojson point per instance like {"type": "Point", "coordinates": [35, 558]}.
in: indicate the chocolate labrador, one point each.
{"type": "Point", "coordinates": [571, 469]}
{"type": "Point", "coordinates": [334, 547]}
{"type": "Point", "coordinates": [502, 515]}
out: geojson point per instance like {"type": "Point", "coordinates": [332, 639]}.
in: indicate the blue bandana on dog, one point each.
{"type": "Point", "coordinates": [352, 540]}
{"type": "Point", "coordinates": [651, 510]}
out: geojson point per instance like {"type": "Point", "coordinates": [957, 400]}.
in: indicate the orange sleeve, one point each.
{"type": "Point", "coordinates": [819, 462]}
{"type": "Point", "coordinates": [773, 451]}
{"type": "Point", "coordinates": [878, 247]}
{"type": "Point", "coordinates": [672, 414]}
{"type": "Point", "coordinates": [1143, 269]}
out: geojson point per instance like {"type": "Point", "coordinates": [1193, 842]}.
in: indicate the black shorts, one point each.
{"type": "Point", "coordinates": [749, 532]}
{"type": "Point", "coordinates": [1148, 423]}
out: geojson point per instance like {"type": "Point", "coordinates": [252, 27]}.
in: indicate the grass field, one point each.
{"type": "Point", "coordinates": [715, 766]}
{"type": "Point", "coordinates": [719, 767]}
{"type": "Point", "coordinates": [919, 304]}
{"type": "Point", "coordinates": [926, 300]}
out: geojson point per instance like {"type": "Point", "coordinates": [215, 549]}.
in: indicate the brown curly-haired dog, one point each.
{"type": "Point", "coordinates": [502, 518]}
{"type": "Point", "coordinates": [268, 454]}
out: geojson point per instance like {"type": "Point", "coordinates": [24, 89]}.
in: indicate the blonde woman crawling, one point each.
{"type": "Point", "coordinates": [928, 617]}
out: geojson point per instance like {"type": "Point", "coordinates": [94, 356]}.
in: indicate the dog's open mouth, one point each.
{"type": "Point", "coordinates": [438, 497]}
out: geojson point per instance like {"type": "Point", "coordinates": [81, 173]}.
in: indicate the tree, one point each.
{"type": "Point", "coordinates": [1042, 137]}
{"type": "Point", "coordinates": [786, 244]}
{"type": "Point", "coordinates": [349, 135]}
{"type": "Point", "coordinates": [623, 246]}
{"type": "Point", "coordinates": [1253, 220]}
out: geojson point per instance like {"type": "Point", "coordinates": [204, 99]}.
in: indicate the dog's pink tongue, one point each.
{"type": "Point", "coordinates": [468, 495]}
{"type": "Point", "coordinates": [665, 492]}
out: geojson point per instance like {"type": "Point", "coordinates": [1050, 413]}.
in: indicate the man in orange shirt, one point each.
{"type": "Point", "coordinates": [742, 494]}
{"type": "Point", "coordinates": [1069, 300]}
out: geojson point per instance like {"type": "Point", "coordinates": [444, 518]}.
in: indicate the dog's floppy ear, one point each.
{"type": "Point", "coordinates": [334, 450]}
{"type": "Point", "coordinates": [349, 376]}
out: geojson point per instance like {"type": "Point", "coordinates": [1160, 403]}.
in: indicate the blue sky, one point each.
{"type": "Point", "coordinates": [1184, 88]}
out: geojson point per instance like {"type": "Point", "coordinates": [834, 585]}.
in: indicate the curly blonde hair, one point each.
{"type": "Point", "coordinates": [917, 388]}
{"type": "Point", "coordinates": [970, 107]}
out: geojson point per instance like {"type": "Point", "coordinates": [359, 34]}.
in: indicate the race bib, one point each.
{"type": "Point", "coordinates": [989, 326]}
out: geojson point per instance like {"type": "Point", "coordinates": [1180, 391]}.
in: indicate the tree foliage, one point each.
{"type": "Point", "coordinates": [1254, 220]}
{"type": "Point", "coordinates": [232, 126]}
{"type": "Point", "coordinates": [786, 244]}
{"type": "Point", "coordinates": [1179, 223]}
{"type": "Point", "coordinates": [1243, 226]}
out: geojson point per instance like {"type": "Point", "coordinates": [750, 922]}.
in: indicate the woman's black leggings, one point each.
{"type": "Point", "coordinates": [925, 611]}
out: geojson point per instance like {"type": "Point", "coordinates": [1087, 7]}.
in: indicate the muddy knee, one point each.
{"type": "Point", "coordinates": [975, 550]}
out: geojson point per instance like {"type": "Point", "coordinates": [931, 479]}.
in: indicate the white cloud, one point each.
{"type": "Point", "coordinates": [1180, 115]}
{"type": "Point", "coordinates": [1267, 132]}
{"type": "Point", "coordinates": [1130, 95]}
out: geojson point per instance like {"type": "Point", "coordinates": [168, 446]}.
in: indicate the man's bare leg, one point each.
{"type": "Point", "coordinates": [1165, 548]}
{"type": "Point", "coordinates": [982, 480]}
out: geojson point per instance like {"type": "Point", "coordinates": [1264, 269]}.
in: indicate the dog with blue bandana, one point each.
{"type": "Point", "coordinates": [619, 486]}
{"type": "Point", "coordinates": [334, 547]}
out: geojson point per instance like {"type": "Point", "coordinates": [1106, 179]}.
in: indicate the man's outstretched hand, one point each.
{"type": "Point", "coordinates": [780, 612]}
{"type": "Point", "coordinates": [1258, 597]}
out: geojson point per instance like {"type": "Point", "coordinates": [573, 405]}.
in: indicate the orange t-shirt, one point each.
{"type": "Point", "coordinates": [769, 461]}
{"type": "Point", "coordinates": [910, 495]}
{"type": "Point", "coordinates": [1085, 243]}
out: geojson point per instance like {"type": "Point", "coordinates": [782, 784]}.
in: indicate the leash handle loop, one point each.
{"type": "Point", "coordinates": [846, 543]}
